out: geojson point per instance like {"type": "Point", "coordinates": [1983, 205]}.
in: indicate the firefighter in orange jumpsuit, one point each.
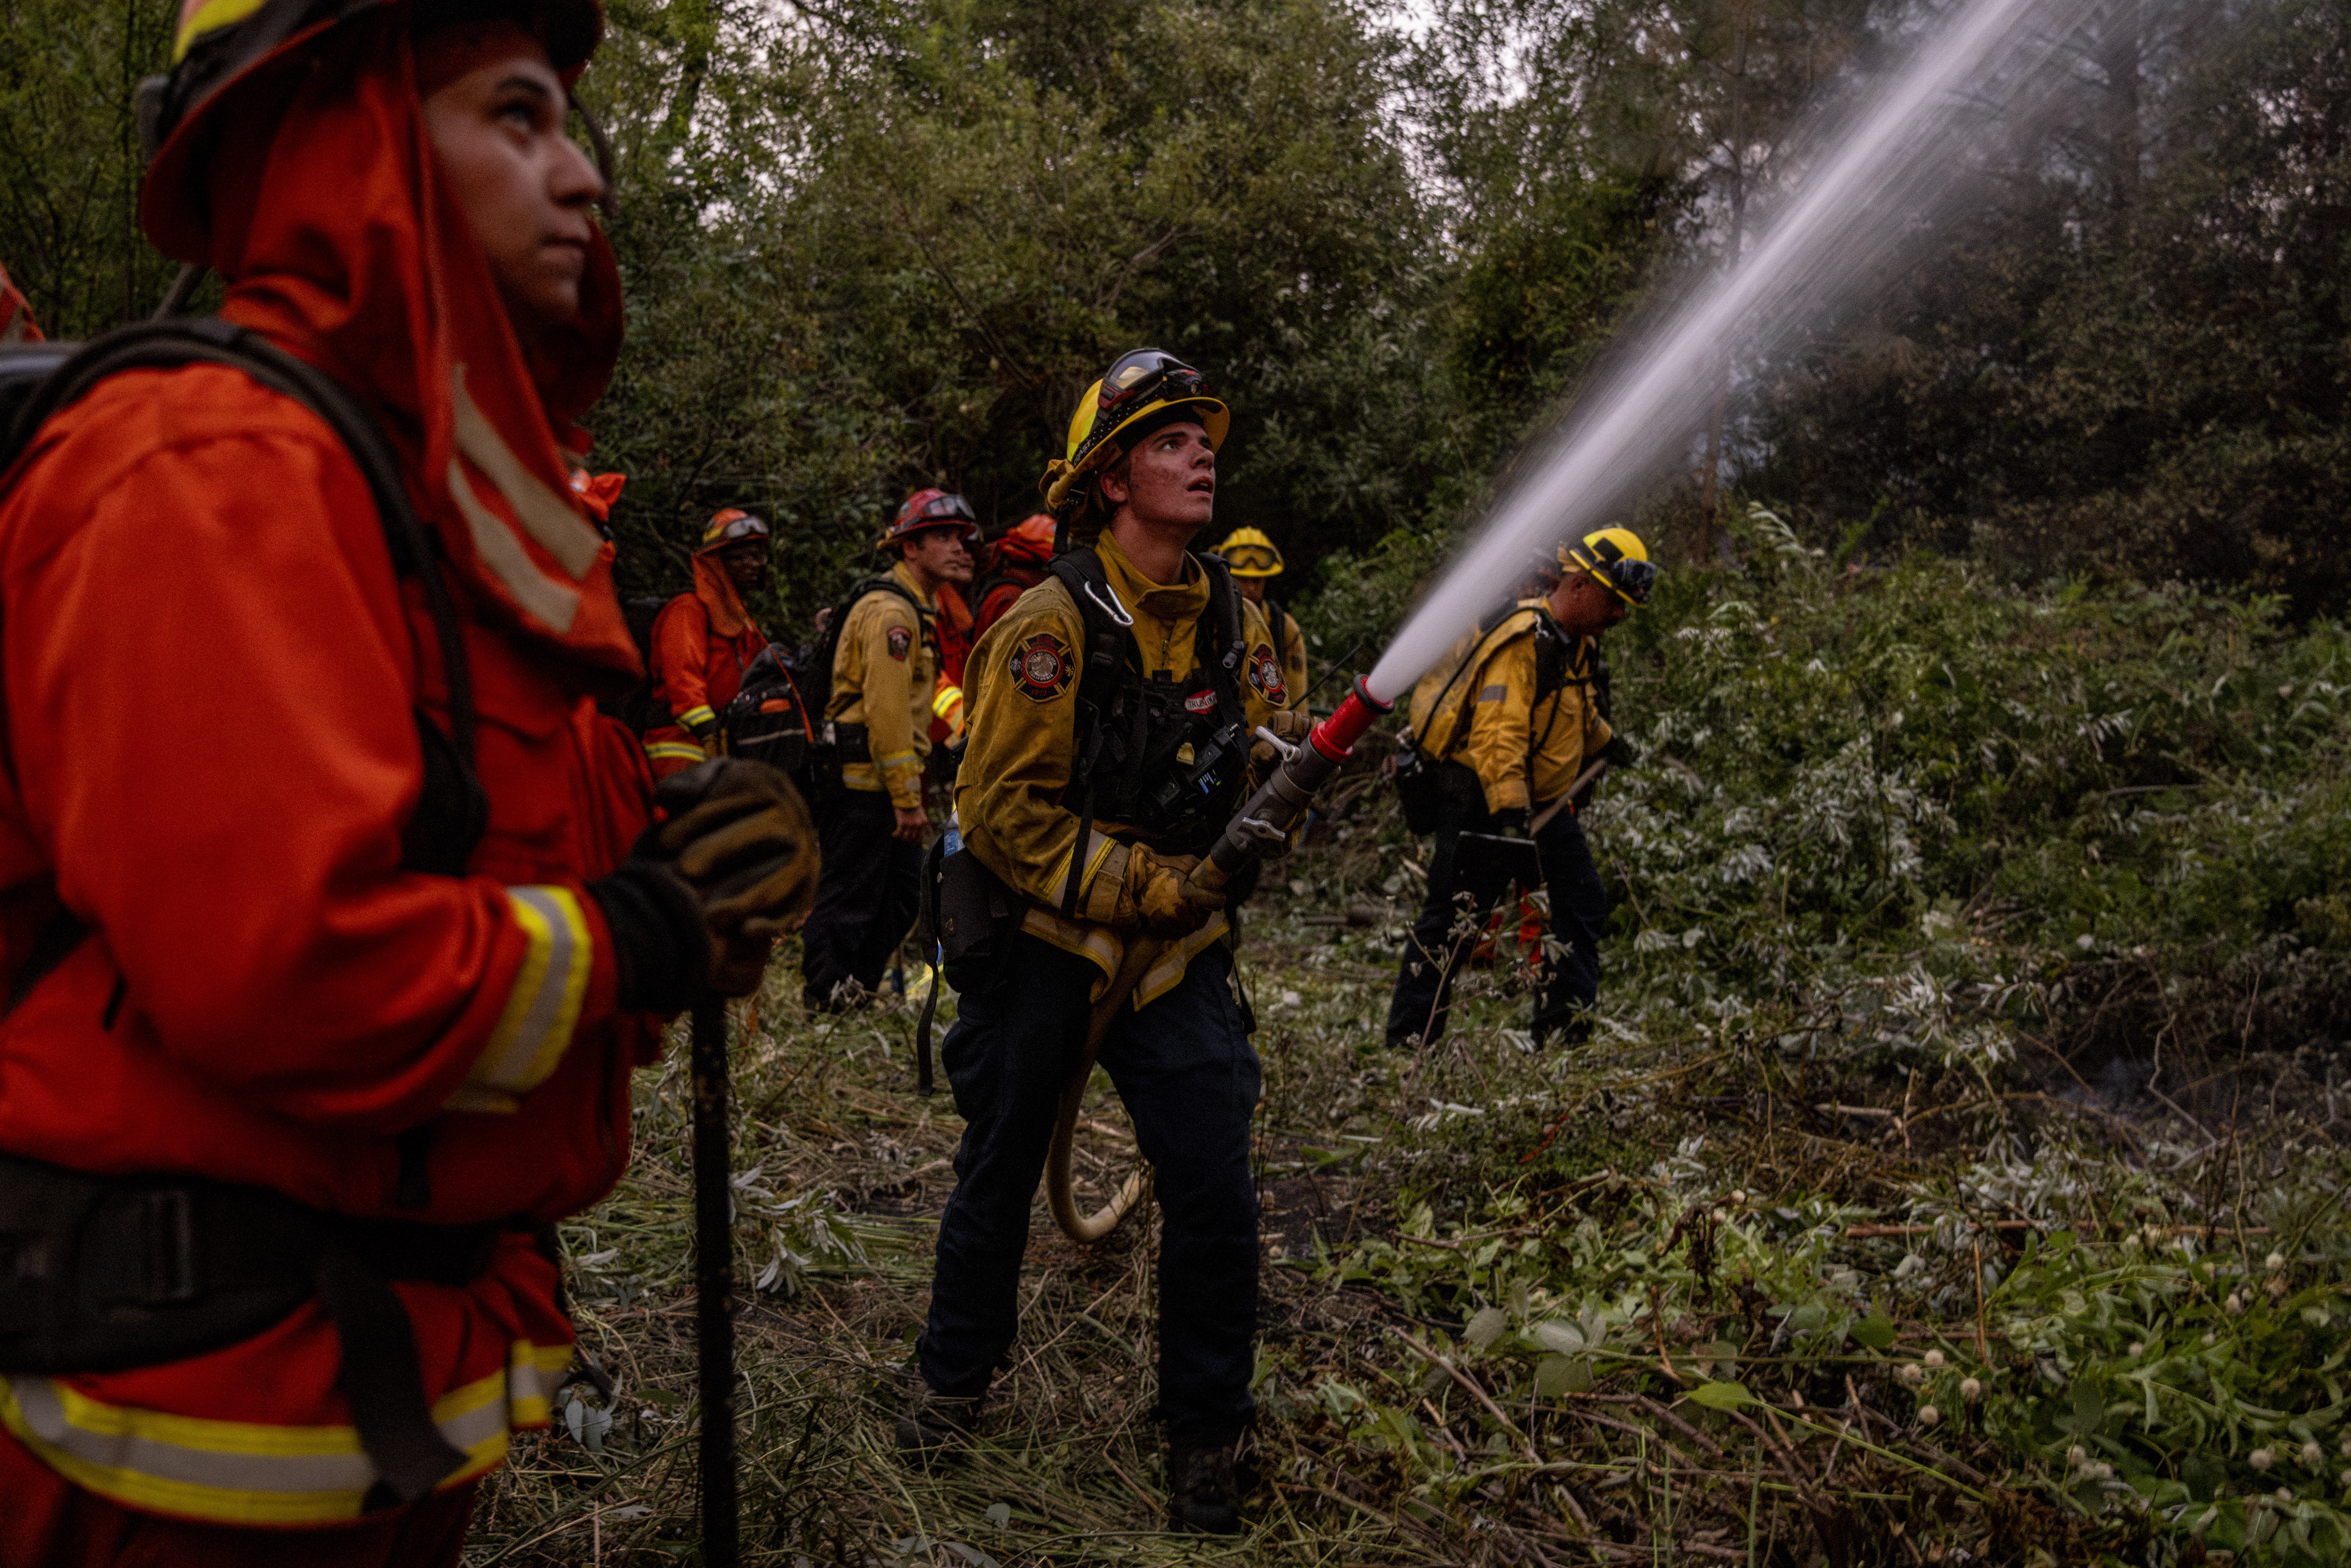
{"type": "Point", "coordinates": [704, 641]}
{"type": "Point", "coordinates": [325, 964]}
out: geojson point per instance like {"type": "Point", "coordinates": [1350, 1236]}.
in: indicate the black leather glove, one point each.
{"type": "Point", "coordinates": [1620, 753]}
{"type": "Point", "coordinates": [702, 896]}
{"type": "Point", "coordinates": [1511, 823]}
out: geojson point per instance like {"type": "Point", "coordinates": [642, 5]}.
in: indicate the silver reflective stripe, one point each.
{"type": "Point", "coordinates": [552, 1005]}
{"type": "Point", "coordinates": [548, 516]}
{"type": "Point", "coordinates": [552, 603]}
{"type": "Point", "coordinates": [157, 1459]}
{"type": "Point", "coordinates": [37, 1400]}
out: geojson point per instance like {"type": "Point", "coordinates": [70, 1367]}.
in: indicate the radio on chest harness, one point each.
{"type": "Point", "coordinates": [1165, 758]}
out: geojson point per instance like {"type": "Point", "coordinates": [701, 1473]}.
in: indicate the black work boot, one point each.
{"type": "Point", "coordinates": [933, 1425]}
{"type": "Point", "coordinates": [1201, 1492]}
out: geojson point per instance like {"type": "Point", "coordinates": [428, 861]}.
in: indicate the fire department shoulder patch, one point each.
{"type": "Point", "coordinates": [901, 640]}
{"type": "Point", "coordinates": [1265, 674]}
{"type": "Point", "coordinates": [1041, 667]}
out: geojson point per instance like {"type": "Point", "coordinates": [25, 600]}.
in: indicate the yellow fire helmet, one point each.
{"type": "Point", "coordinates": [1251, 554]}
{"type": "Point", "coordinates": [1138, 387]}
{"type": "Point", "coordinates": [1618, 557]}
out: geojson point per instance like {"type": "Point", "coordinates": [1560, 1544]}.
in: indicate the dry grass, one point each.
{"type": "Point", "coordinates": [1384, 1437]}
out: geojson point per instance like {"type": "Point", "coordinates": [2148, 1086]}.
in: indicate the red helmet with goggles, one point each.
{"type": "Point", "coordinates": [927, 509]}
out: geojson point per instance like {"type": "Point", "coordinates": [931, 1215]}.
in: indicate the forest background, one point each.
{"type": "Point", "coordinates": [875, 247]}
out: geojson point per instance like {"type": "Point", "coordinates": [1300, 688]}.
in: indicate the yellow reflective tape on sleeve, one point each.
{"type": "Point", "coordinates": [948, 699]}
{"type": "Point", "coordinates": [543, 1009]}
{"type": "Point", "coordinates": [674, 751]}
{"type": "Point", "coordinates": [1493, 694]}
{"type": "Point", "coordinates": [695, 717]}
{"type": "Point", "coordinates": [1097, 848]}
{"type": "Point", "coordinates": [251, 1473]}
{"type": "Point", "coordinates": [210, 17]}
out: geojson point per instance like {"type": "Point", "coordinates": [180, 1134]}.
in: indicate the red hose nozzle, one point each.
{"type": "Point", "coordinates": [1336, 735]}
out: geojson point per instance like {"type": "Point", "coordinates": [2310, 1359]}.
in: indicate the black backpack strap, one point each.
{"type": "Point", "coordinates": [1109, 633]}
{"type": "Point", "coordinates": [1222, 639]}
{"type": "Point", "coordinates": [1276, 622]}
{"type": "Point", "coordinates": [453, 811]}
{"type": "Point", "coordinates": [1468, 663]}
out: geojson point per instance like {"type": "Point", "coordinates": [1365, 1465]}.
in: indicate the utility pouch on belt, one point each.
{"type": "Point", "coordinates": [976, 918]}
{"type": "Point", "coordinates": [1417, 791]}
{"type": "Point", "coordinates": [102, 1273]}
{"type": "Point", "coordinates": [850, 744]}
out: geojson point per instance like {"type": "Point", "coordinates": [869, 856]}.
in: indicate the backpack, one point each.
{"type": "Point", "coordinates": [768, 720]}
{"type": "Point", "coordinates": [40, 380]}
{"type": "Point", "coordinates": [814, 677]}
{"type": "Point", "coordinates": [636, 708]}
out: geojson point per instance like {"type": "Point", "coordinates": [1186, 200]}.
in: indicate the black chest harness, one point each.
{"type": "Point", "coordinates": [1165, 758]}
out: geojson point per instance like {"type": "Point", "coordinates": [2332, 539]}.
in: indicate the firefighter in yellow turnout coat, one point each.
{"type": "Point", "coordinates": [1506, 727]}
{"type": "Point", "coordinates": [1111, 715]}
{"type": "Point", "coordinates": [884, 674]}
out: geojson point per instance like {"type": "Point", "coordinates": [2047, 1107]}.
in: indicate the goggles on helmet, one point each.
{"type": "Point", "coordinates": [1137, 381]}
{"type": "Point", "coordinates": [1632, 578]}
{"type": "Point", "coordinates": [940, 508]}
{"type": "Point", "coordinates": [731, 526]}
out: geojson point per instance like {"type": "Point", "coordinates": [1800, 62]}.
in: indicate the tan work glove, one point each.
{"type": "Point", "coordinates": [741, 838]}
{"type": "Point", "coordinates": [1291, 724]}
{"type": "Point", "coordinates": [702, 896]}
{"type": "Point", "coordinates": [1166, 905]}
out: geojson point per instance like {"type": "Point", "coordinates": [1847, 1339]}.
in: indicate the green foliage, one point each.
{"type": "Point", "coordinates": [69, 159]}
{"type": "Point", "coordinates": [2129, 793]}
{"type": "Point", "coordinates": [2123, 348]}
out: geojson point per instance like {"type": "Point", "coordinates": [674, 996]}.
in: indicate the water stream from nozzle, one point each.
{"type": "Point", "coordinates": [1874, 181]}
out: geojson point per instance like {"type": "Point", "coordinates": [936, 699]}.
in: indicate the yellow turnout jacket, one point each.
{"type": "Point", "coordinates": [1525, 751]}
{"type": "Point", "coordinates": [1021, 691]}
{"type": "Point", "coordinates": [885, 673]}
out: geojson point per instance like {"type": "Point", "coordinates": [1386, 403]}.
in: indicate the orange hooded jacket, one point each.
{"type": "Point", "coordinates": [17, 322]}
{"type": "Point", "coordinates": [703, 642]}
{"type": "Point", "coordinates": [265, 995]}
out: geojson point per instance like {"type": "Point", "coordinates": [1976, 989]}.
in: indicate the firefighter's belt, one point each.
{"type": "Point", "coordinates": [98, 1273]}
{"type": "Point", "coordinates": [1479, 856]}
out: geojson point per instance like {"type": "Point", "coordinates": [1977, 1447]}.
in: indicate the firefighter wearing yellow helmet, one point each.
{"type": "Point", "coordinates": [1110, 715]}
{"type": "Point", "coordinates": [1255, 563]}
{"type": "Point", "coordinates": [1494, 744]}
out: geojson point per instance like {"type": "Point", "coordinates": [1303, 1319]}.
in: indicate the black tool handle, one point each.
{"type": "Point", "coordinates": [714, 1282]}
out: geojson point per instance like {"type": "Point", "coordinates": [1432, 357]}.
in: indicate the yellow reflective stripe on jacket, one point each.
{"type": "Point", "coordinates": [674, 751]}
{"type": "Point", "coordinates": [238, 1472]}
{"type": "Point", "coordinates": [696, 717]}
{"type": "Point", "coordinates": [210, 17]}
{"type": "Point", "coordinates": [543, 1009]}
{"type": "Point", "coordinates": [946, 701]}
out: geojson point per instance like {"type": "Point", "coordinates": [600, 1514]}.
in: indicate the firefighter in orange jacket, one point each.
{"type": "Point", "coordinates": [326, 967]}
{"type": "Point", "coordinates": [704, 641]}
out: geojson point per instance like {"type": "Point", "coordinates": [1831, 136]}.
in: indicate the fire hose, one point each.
{"type": "Point", "coordinates": [1279, 804]}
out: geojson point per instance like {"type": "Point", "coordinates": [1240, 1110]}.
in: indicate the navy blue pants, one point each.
{"type": "Point", "coordinates": [1190, 1083]}
{"type": "Point", "coordinates": [866, 896]}
{"type": "Point", "coordinates": [1453, 919]}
